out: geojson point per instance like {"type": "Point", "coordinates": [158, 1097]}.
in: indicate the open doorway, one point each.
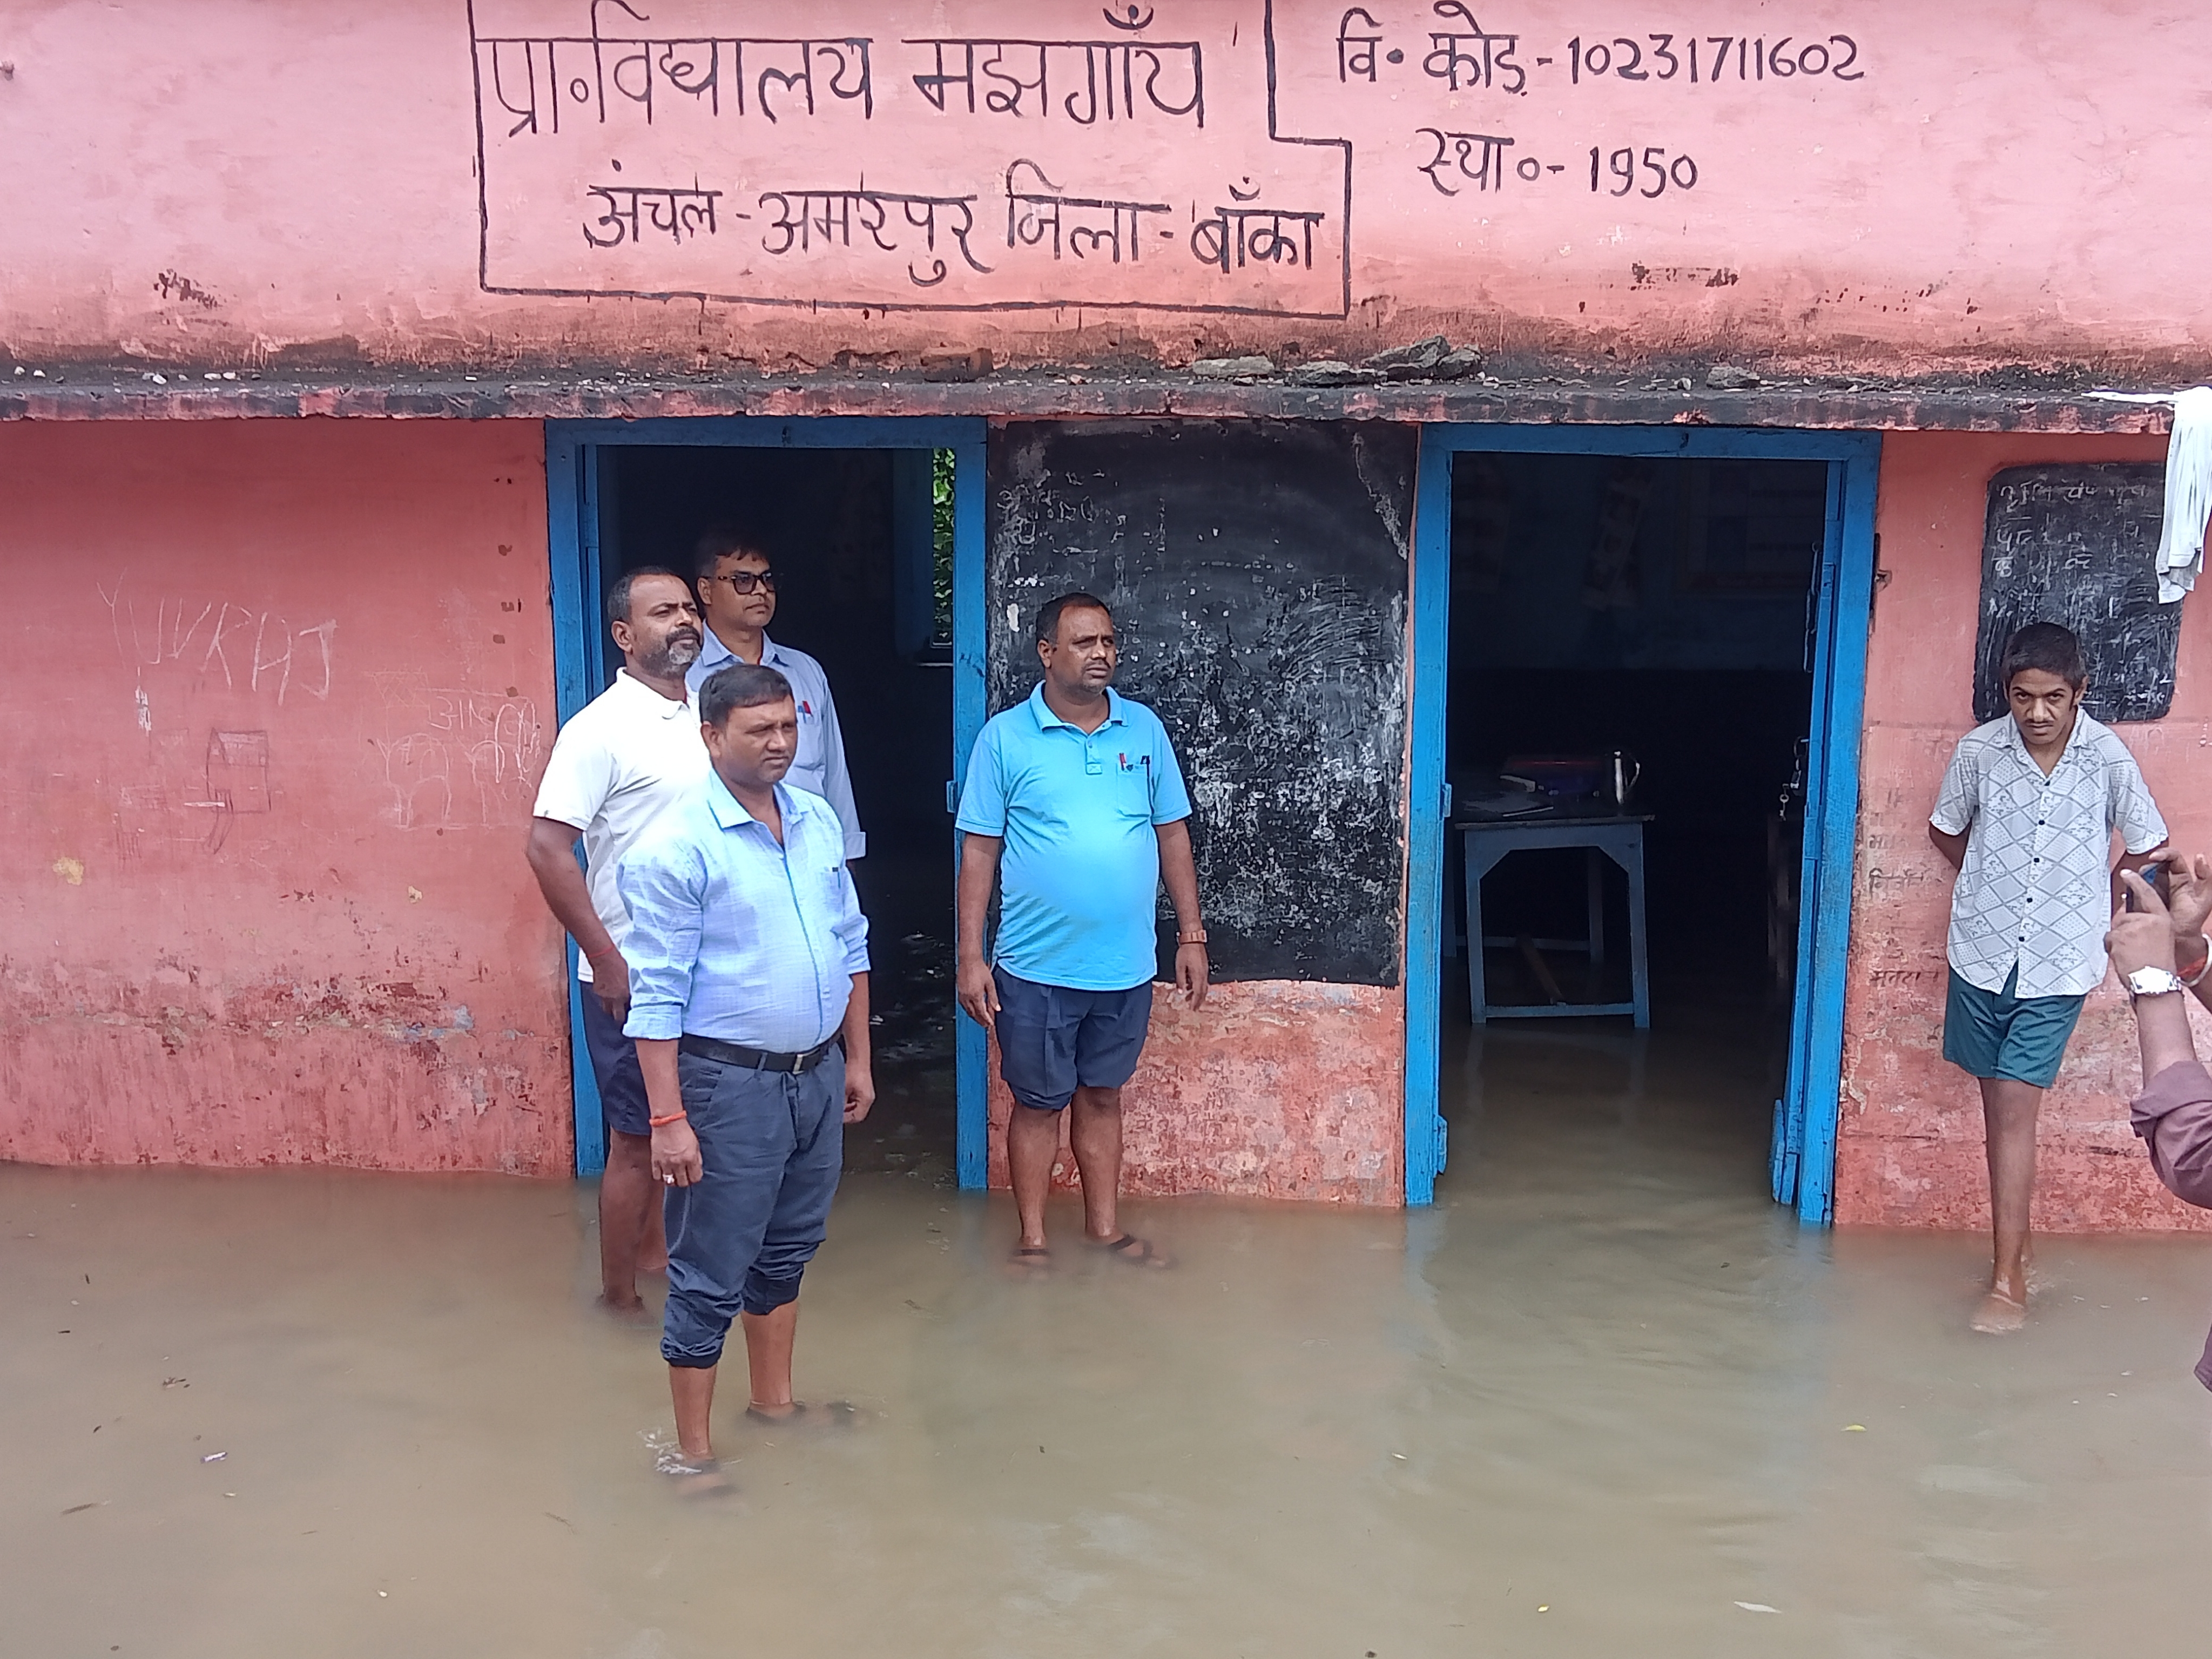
{"type": "Point", "coordinates": [1617, 545]}
{"type": "Point", "coordinates": [862, 538]}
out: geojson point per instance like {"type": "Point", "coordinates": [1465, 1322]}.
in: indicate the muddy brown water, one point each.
{"type": "Point", "coordinates": [1603, 1399]}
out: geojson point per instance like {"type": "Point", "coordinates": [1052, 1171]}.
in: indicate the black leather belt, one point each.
{"type": "Point", "coordinates": [756, 1059]}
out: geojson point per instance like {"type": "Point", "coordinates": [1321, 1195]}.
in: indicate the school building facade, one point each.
{"type": "Point", "coordinates": [343, 356]}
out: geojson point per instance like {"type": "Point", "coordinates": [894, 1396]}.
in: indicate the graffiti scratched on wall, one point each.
{"type": "Point", "coordinates": [455, 759]}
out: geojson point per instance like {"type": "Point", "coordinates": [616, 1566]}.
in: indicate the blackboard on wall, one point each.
{"type": "Point", "coordinates": [2075, 544]}
{"type": "Point", "coordinates": [1257, 573]}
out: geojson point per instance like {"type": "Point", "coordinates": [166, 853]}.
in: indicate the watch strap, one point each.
{"type": "Point", "coordinates": [2154, 982]}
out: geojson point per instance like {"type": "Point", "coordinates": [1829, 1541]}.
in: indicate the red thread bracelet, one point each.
{"type": "Point", "coordinates": [663, 1122]}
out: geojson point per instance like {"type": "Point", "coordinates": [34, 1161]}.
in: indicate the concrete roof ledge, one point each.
{"type": "Point", "coordinates": [129, 392]}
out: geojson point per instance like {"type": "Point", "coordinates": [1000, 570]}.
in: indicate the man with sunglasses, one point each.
{"type": "Point", "coordinates": [736, 597]}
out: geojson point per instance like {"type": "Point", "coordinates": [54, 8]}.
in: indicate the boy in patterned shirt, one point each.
{"type": "Point", "coordinates": [2026, 816]}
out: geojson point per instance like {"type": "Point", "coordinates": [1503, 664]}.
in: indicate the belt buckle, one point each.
{"type": "Point", "coordinates": [796, 1062]}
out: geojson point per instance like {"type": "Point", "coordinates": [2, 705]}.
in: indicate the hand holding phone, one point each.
{"type": "Point", "coordinates": [2159, 876]}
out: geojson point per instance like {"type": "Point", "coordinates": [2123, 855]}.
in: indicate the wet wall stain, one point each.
{"type": "Point", "coordinates": [283, 1070]}
{"type": "Point", "coordinates": [1270, 1091]}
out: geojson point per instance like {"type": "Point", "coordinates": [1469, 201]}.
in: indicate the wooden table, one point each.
{"type": "Point", "coordinates": [1615, 835]}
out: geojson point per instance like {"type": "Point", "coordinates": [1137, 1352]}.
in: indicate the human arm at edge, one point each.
{"type": "Point", "coordinates": [837, 779]}
{"type": "Point", "coordinates": [675, 1154]}
{"type": "Point", "coordinates": [1179, 872]}
{"type": "Point", "coordinates": [2189, 902]}
{"type": "Point", "coordinates": [859, 1057]}
{"type": "Point", "coordinates": [979, 869]}
{"type": "Point", "coordinates": [551, 850]}
{"type": "Point", "coordinates": [2173, 1113]}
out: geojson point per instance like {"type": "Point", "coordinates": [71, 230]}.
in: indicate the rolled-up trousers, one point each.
{"type": "Point", "coordinates": [771, 1146]}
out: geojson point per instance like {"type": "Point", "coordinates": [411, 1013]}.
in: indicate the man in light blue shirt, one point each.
{"type": "Point", "coordinates": [737, 597]}
{"type": "Point", "coordinates": [748, 963]}
{"type": "Point", "coordinates": [1074, 801]}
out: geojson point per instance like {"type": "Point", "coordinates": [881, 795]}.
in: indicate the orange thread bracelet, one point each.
{"type": "Point", "coordinates": [663, 1122]}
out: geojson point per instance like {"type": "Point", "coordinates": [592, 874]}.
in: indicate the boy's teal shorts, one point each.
{"type": "Point", "coordinates": [1995, 1034]}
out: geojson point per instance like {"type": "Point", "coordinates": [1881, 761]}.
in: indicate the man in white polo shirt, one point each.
{"type": "Point", "coordinates": [627, 755]}
{"type": "Point", "coordinates": [736, 597]}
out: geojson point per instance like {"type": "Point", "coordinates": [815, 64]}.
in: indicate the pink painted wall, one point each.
{"type": "Point", "coordinates": [238, 182]}
{"type": "Point", "coordinates": [273, 699]}
{"type": "Point", "coordinates": [1272, 1089]}
{"type": "Point", "coordinates": [1910, 1144]}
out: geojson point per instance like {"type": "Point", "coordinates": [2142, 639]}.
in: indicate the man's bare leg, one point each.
{"type": "Point", "coordinates": [629, 1216]}
{"type": "Point", "coordinates": [692, 1387]}
{"type": "Point", "coordinates": [2008, 1115]}
{"type": "Point", "coordinates": [653, 1250]}
{"type": "Point", "coordinates": [1096, 1135]}
{"type": "Point", "coordinates": [1032, 1147]}
{"type": "Point", "coordinates": [768, 1341]}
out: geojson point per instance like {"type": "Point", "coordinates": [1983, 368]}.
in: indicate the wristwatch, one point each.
{"type": "Point", "coordinates": [2153, 982]}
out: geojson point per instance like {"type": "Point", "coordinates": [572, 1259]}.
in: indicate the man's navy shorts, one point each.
{"type": "Point", "coordinates": [614, 1063]}
{"type": "Point", "coordinates": [1998, 1034]}
{"type": "Point", "coordinates": [1052, 1039]}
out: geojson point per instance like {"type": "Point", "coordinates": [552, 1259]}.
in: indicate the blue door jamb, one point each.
{"type": "Point", "coordinates": [970, 694]}
{"type": "Point", "coordinates": [1845, 600]}
{"type": "Point", "coordinates": [1428, 812]}
{"type": "Point", "coordinates": [1840, 648]}
{"type": "Point", "coordinates": [572, 453]}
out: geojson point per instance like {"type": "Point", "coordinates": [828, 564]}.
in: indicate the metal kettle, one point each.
{"type": "Point", "coordinates": [1623, 772]}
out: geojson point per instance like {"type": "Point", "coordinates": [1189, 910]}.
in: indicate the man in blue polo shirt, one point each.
{"type": "Point", "coordinates": [1074, 800]}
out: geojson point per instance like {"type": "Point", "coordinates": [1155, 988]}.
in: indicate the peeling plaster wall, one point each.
{"type": "Point", "coordinates": [1275, 1089]}
{"type": "Point", "coordinates": [260, 182]}
{"type": "Point", "coordinates": [274, 698]}
{"type": "Point", "coordinates": [1910, 1144]}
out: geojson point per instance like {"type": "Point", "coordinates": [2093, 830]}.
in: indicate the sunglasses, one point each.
{"type": "Point", "coordinates": [747, 581]}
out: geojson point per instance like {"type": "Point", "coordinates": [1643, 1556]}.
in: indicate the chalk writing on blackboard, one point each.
{"type": "Point", "coordinates": [2074, 544]}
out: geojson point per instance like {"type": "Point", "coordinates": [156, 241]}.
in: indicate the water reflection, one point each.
{"type": "Point", "coordinates": [1604, 1378]}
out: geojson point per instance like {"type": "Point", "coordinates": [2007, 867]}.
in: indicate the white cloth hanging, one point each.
{"type": "Point", "coordinates": [2188, 495]}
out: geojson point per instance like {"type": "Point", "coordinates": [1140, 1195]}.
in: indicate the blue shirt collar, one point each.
{"type": "Point", "coordinates": [713, 651]}
{"type": "Point", "coordinates": [1046, 720]}
{"type": "Point", "coordinates": [731, 814]}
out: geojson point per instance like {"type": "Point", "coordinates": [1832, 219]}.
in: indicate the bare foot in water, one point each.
{"type": "Point", "coordinates": [631, 1312]}
{"type": "Point", "coordinates": [695, 1477]}
{"type": "Point", "coordinates": [1999, 1315]}
{"type": "Point", "coordinates": [1128, 1248]}
{"type": "Point", "coordinates": [837, 1414]}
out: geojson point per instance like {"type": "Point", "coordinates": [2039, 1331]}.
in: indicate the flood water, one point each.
{"type": "Point", "coordinates": [1600, 1399]}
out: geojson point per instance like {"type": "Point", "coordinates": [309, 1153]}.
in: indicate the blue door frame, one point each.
{"type": "Point", "coordinates": [574, 492]}
{"type": "Point", "coordinates": [1804, 1158]}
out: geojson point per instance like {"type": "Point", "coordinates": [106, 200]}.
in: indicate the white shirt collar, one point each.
{"type": "Point", "coordinates": [668, 708]}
